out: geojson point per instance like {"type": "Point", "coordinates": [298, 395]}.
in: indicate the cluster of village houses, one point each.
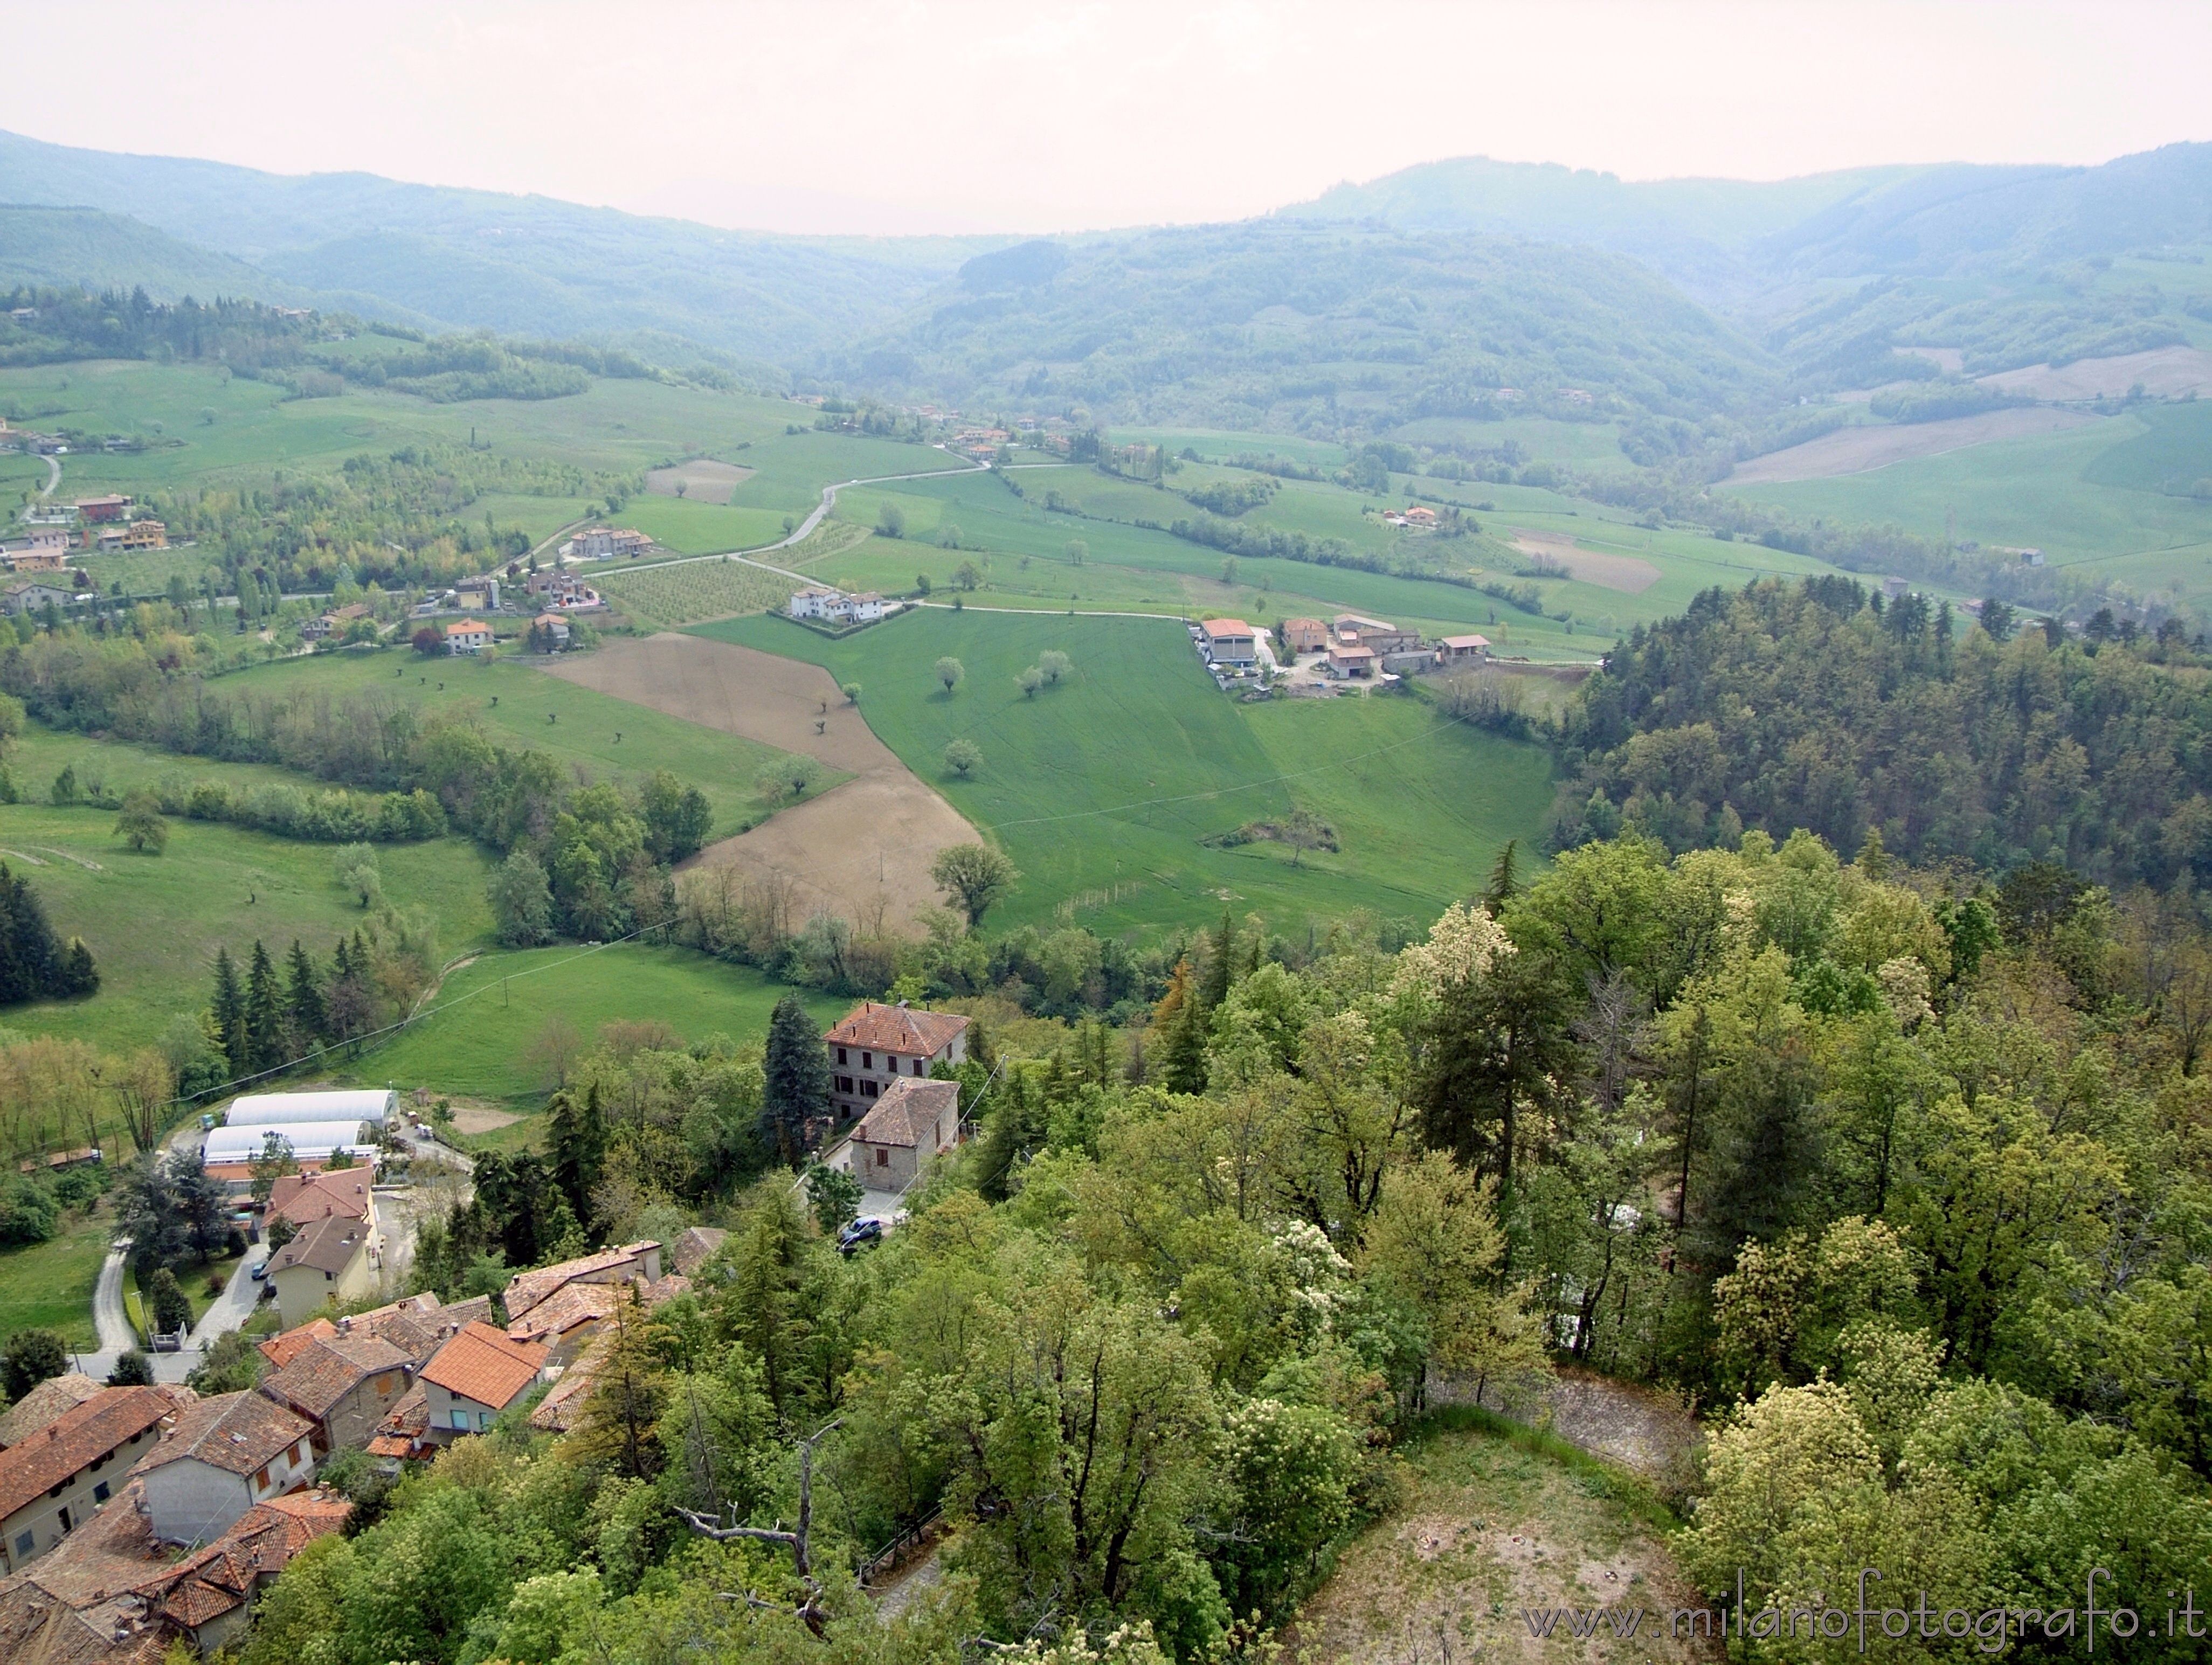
{"type": "Point", "coordinates": [36, 560]}
{"type": "Point", "coordinates": [1351, 648]}
{"type": "Point", "coordinates": [133, 1518]}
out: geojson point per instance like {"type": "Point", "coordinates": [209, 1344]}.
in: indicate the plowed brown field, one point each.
{"type": "Point", "coordinates": [861, 850]}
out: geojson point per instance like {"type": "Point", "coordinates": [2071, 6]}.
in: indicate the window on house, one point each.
{"type": "Point", "coordinates": [25, 1543]}
{"type": "Point", "coordinates": [868, 1061]}
{"type": "Point", "coordinates": [883, 1159]}
{"type": "Point", "coordinates": [68, 1525]}
{"type": "Point", "coordinates": [100, 1492]}
{"type": "Point", "coordinates": [842, 1058]}
{"type": "Point", "coordinates": [260, 1478]}
{"type": "Point", "coordinates": [869, 1089]}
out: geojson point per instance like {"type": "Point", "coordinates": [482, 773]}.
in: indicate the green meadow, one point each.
{"type": "Point", "coordinates": [48, 1286]}
{"type": "Point", "coordinates": [2089, 497]}
{"type": "Point", "coordinates": [519, 704]}
{"type": "Point", "coordinates": [480, 1036]}
{"type": "Point", "coordinates": [1102, 789]}
{"type": "Point", "coordinates": [153, 923]}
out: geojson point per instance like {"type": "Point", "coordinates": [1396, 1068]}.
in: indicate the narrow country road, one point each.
{"type": "Point", "coordinates": [230, 1309]}
{"type": "Point", "coordinates": [53, 475]}
{"type": "Point", "coordinates": [109, 1320]}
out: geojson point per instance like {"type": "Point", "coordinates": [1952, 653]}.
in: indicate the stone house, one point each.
{"type": "Point", "coordinates": [911, 1124]}
{"type": "Point", "coordinates": [221, 1458]}
{"type": "Point", "coordinates": [333, 1258]}
{"type": "Point", "coordinates": [877, 1045]}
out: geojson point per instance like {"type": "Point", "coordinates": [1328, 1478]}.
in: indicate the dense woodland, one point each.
{"type": "Point", "coordinates": [1819, 706]}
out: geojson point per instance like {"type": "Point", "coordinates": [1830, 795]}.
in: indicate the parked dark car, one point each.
{"type": "Point", "coordinates": [857, 1233]}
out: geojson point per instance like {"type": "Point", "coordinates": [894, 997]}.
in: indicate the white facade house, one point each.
{"type": "Point", "coordinates": [836, 606]}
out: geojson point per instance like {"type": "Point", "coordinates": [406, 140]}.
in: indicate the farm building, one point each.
{"type": "Point", "coordinates": [877, 1045]}
{"type": "Point", "coordinates": [110, 507]}
{"type": "Point", "coordinates": [229, 1151]}
{"type": "Point", "coordinates": [1353, 629]}
{"type": "Point", "coordinates": [377, 1105]}
{"type": "Point", "coordinates": [1462, 650]}
{"type": "Point", "coordinates": [1350, 659]}
{"type": "Point", "coordinates": [911, 1123]}
{"type": "Point", "coordinates": [1306, 635]}
{"type": "Point", "coordinates": [1229, 642]}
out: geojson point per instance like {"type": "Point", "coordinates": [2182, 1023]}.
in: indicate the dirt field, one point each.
{"type": "Point", "coordinates": [1630, 574]}
{"type": "Point", "coordinates": [1487, 1533]}
{"type": "Point", "coordinates": [1862, 450]}
{"type": "Point", "coordinates": [2167, 372]}
{"type": "Point", "coordinates": [481, 1118]}
{"type": "Point", "coordinates": [861, 849]}
{"type": "Point", "coordinates": [703, 478]}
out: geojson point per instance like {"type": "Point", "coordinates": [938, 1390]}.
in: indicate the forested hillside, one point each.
{"type": "Point", "coordinates": [1277, 325]}
{"type": "Point", "coordinates": [1818, 706]}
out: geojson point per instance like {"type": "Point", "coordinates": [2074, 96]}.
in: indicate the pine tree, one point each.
{"type": "Point", "coordinates": [1179, 1021]}
{"type": "Point", "coordinates": [576, 1134]}
{"type": "Point", "coordinates": [304, 1003]}
{"type": "Point", "coordinates": [1220, 965]}
{"type": "Point", "coordinates": [33, 966]}
{"type": "Point", "coordinates": [230, 1016]}
{"type": "Point", "coordinates": [795, 1088]}
{"type": "Point", "coordinates": [265, 1014]}
{"type": "Point", "coordinates": [1504, 880]}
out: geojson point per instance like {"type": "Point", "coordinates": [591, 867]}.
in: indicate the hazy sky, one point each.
{"type": "Point", "coordinates": [1063, 114]}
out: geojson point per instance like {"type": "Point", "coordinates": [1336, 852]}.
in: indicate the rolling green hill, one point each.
{"type": "Point", "coordinates": [1278, 325]}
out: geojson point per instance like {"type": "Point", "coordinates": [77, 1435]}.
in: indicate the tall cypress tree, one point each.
{"type": "Point", "coordinates": [230, 1016]}
{"type": "Point", "coordinates": [304, 1003]}
{"type": "Point", "coordinates": [796, 1084]}
{"type": "Point", "coordinates": [1220, 965]}
{"type": "Point", "coordinates": [264, 1013]}
{"type": "Point", "coordinates": [1180, 1020]}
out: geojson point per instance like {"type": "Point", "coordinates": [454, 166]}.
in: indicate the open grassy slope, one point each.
{"type": "Point", "coordinates": [154, 922]}
{"type": "Point", "coordinates": [2088, 497]}
{"type": "Point", "coordinates": [574, 723]}
{"type": "Point", "coordinates": [478, 1040]}
{"type": "Point", "coordinates": [1114, 778]}
{"type": "Point", "coordinates": [48, 1286]}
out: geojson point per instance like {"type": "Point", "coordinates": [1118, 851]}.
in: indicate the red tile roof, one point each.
{"type": "Point", "coordinates": [483, 1364]}
{"type": "Point", "coordinates": [898, 1029]}
{"type": "Point", "coordinates": [237, 1433]}
{"type": "Point", "coordinates": [330, 1244]}
{"type": "Point", "coordinates": [49, 1400]}
{"type": "Point", "coordinates": [568, 1306]}
{"type": "Point", "coordinates": [526, 1289]}
{"type": "Point", "coordinates": [1217, 628]}
{"type": "Point", "coordinates": [909, 1113]}
{"type": "Point", "coordinates": [302, 1198]}
{"type": "Point", "coordinates": [282, 1350]}
{"type": "Point", "coordinates": [325, 1372]}
{"type": "Point", "coordinates": [401, 1433]}
{"type": "Point", "coordinates": [73, 1438]}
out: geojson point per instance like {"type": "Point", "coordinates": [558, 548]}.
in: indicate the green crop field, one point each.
{"type": "Point", "coordinates": [706, 528]}
{"type": "Point", "coordinates": [478, 1039]}
{"type": "Point", "coordinates": [1100, 789]}
{"type": "Point", "coordinates": [2088, 496]}
{"type": "Point", "coordinates": [519, 705]}
{"type": "Point", "coordinates": [154, 922]}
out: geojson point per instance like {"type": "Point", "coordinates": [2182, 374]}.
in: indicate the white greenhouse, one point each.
{"type": "Point", "coordinates": [311, 1142]}
{"type": "Point", "coordinates": [377, 1105]}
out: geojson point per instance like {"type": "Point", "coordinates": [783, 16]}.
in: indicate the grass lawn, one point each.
{"type": "Point", "coordinates": [478, 1042]}
{"type": "Point", "coordinates": [192, 1278]}
{"type": "Point", "coordinates": [1102, 789]}
{"type": "Point", "coordinates": [154, 922]}
{"type": "Point", "coordinates": [48, 1286]}
{"type": "Point", "coordinates": [520, 706]}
